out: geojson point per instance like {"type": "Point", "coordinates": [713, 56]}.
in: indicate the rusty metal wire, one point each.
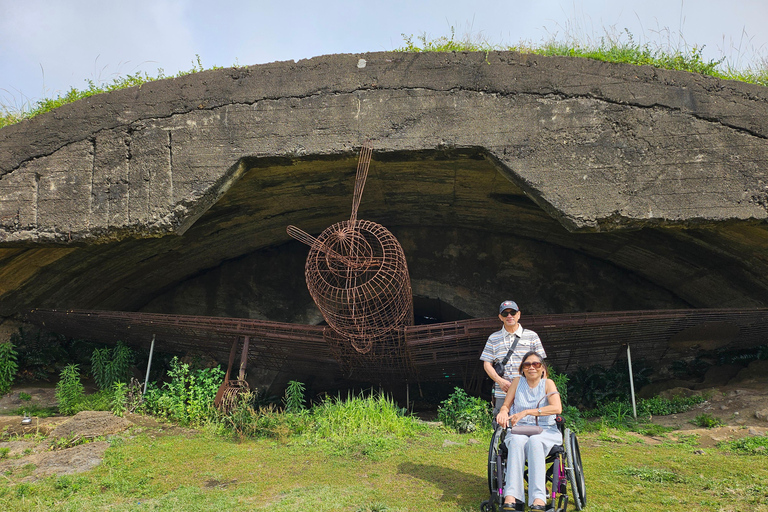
{"type": "Point", "coordinates": [443, 351]}
{"type": "Point", "coordinates": [357, 275]}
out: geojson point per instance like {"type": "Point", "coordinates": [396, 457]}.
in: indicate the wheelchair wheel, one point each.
{"type": "Point", "coordinates": [496, 461]}
{"type": "Point", "coordinates": [574, 470]}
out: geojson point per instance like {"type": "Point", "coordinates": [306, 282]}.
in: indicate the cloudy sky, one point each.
{"type": "Point", "coordinates": [49, 46]}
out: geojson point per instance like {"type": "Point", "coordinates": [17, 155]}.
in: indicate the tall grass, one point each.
{"type": "Point", "coordinates": [620, 47]}
{"type": "Point", "coordinates": [612, 47]}
{"type": "Point", "coordinates": [10, 115]}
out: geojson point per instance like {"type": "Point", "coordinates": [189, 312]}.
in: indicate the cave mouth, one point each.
{"type": "Point", "coordinates": [428, 311]}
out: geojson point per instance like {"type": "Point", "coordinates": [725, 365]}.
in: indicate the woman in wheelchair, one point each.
{"type": "Point", "coordinates": [535, 401]}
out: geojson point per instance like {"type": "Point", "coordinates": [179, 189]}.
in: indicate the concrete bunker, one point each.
{"type": "Point", "coordinates": [573, 185]}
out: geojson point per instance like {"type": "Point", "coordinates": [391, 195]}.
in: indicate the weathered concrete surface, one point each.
{"type": "Point", "coordinates": [597, 145]}
{"type": "Point", "coordinates": [613, 169]}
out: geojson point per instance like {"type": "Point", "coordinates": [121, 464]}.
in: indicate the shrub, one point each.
{"type": "Point", "coordinates": [8, 366]}
{"type": "Point", "coordinates": [188, 397]}
{"type": "Point", "coordinates": [464, 413]}
{"type": "Point", "coordinates": [111, 365]}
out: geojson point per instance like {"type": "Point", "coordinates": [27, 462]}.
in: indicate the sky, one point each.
{"type": "Point", "coordinates": [50, 46]}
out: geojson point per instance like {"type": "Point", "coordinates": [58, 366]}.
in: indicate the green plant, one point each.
{"type": "Point", "coordinates": [8, 366]}
{"type": "Point", "coordinates": [111, 365]}
{"type": "Point", "coordinates": [25, 396]}
{"type": "Point", "coordinates": [364, 425]}
{"type": "Point", "coordinates": [4, 451]}
{"type": "Point", "coordinates": [707, 420]}
{"type": "Point", "coordinates": [660, 406]}
{"type": "Point", "coordinates": [188, 397]}
{"type": "Point", "coordinates": [294, 397]}
{"type": "Point", "coordinates": [754, 445]}
{"type": "Point", "coordinates": [464, 413]}
{"type": "Point", "coordinates": [34, 410]}
{"type": "Point", "coordinates": [69, 390]}
{"type": "Point", "coordinates": [119, 398]}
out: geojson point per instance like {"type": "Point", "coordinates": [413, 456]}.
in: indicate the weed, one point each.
{"type": "Point", "coordinates": [464, 413]}
{"type": "Point", "coordinates": [653, 429]}
{"type": "Point", "coordinates": [4, 451]}
{"type": "Point", "coordinates": [111, 365]}
{"type": "Point", "coordinates": [294, 397]}
{"type": "Point", "coordinates": [370, 425]}
{"type": "Point", "coordinates": [755, 445]}
{"type": "Point", "coordinates": [374, 507]}
{"type": "Point", "coordinates": [26, 397]}
{"type": "Point", "coordinates": [188, 397]}
{"type": "Point", "coordinates": [707, 420]}
{"type": "Point", "coordinates": [660, 406]}
{"type": "Point", "coordinates": [69, 390]}
{"type": "Point", "coordinates": [8, 366]}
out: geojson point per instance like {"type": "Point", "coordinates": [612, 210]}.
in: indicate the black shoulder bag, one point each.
{"type": "Point", "coordinates": [499, 365]}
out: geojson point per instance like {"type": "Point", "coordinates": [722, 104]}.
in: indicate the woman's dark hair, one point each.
{"type": "Point", "coordinates": [529, 354]}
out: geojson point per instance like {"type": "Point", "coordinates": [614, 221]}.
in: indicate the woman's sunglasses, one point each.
{"type": "Point", "coordinates": [535, 364]}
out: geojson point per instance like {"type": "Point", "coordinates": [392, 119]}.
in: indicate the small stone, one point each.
{"type": "Point", "coordinates": [723, 407]}
{"type": "Point", "coordinates": [762, 414]}
{"type": "Point", "coordinates": [753, 432]}
{"type": "Point", "coordinates": [448, 443]}
{"type": "Point", "coordinates": [473, 441]}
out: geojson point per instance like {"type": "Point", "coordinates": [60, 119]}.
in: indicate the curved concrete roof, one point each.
{"type": "Point", "coordinates": [116, 199]}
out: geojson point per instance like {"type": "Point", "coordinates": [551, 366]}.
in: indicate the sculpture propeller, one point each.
{"type": "Point", "coordinates": [357, 275]}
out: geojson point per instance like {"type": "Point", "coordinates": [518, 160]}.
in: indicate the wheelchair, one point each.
{"type": "Point", "coordinates": [565, 468]}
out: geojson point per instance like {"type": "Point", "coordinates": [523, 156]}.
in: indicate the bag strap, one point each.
{"type": "Point", "coordinates": [511, 350]}
{"type": "Point", "coordinates": [542, 398]}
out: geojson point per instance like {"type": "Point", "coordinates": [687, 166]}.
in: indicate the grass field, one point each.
{"type": "Point", "coordinates": [149, 471]}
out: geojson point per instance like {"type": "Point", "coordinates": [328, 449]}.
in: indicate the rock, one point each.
{"type": "Point", "coordinates": [448, 443]}
{"type": "Point", "coordinates": [756, 372]}
{"type": "Point", "coordinates": [657, 388]}
{"type": "Point", "coordinates": [762, 414]}
{"type": "Point", "coordinates": [719, 375]}
{"type": "Point", "coordinates": [753, 432]}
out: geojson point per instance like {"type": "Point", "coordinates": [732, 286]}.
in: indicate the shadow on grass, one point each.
{"type": "Point", "coordinates": [463, 487]}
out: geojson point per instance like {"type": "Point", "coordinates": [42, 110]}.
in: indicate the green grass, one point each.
{"type": "Point", "coordinates": [621, 48]}
{"type": "Point", "coordinates": [207, 472]}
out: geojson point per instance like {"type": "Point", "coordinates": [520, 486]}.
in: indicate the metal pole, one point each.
{"type": "Point", "coordinates": [407, 395]}
{"type": "Point", "coordinates": [631, 382]}
{"type": "Point", "coordinates": [149, 363]}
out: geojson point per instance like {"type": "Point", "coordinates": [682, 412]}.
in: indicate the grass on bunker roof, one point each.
{"type": "Point", "coordinates": [145, 471]}
{"type": "Point", "coordinates": [669, 51]}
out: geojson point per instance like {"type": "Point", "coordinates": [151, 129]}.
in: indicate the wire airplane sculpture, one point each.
{"type": "Point", "coordinates": [357, 275]}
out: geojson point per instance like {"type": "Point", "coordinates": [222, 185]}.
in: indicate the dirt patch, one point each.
{"type": "Point", "coordinates": [90, 425]}
{"type": "Point", "coordinates": [77, 459]}
{"type": "Point", "coordinates": [28, 451]}
{"type": "Point", "coordinates": [740, 407]}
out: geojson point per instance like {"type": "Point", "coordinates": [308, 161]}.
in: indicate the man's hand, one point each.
{"type": "Point", "coordinates": [504, 384]}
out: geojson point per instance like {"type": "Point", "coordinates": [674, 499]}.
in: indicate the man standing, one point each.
{"type": "Point", "coordinates": [498, 346]}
